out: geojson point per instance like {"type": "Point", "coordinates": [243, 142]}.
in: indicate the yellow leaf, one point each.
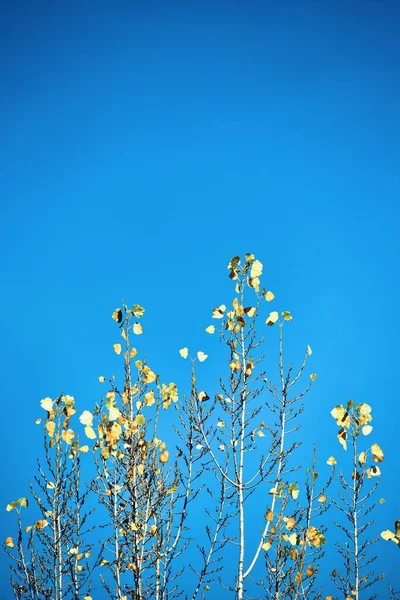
{"type": "Point", "coordinates": [203, 397]}
{"type": "Point", "coordinates": [117, 348]}
{"type": "Point", "coordinates": [114, 413]}
{"type": "Point", "coordinates": [133, 353]}
{"type": "Point", "coordinates": [220, 424]}
{"type": "Point", "coordinates": [377, 453]}
{"type": "Point", "coordinates": [50, 426]}
{"type": "Point", "coordinates": [273, 317]}
{"type": "Point", "coordinates": [89, 431]}
{"type": "Point", "coordinates": [137, 329]}
{"type": "Point", "coordinates": [86, 418]}
{"type": "Point", "coordinates": [309, 351]}
{"type": "Point", "coordinates": [310, 571]}
{"type": "Point", "coordinates": [382, 500]}
{"type": "Point", "coordinates": [84, 449]}
{"type": "Point", "coordinates": [313, 376]}
{"type": "Point", "coordinates": [68, 436]}
{"type": "Point", "coordinates": [322, 498]}
{"type": "Point", "coordinates": [40, 524]}
{"type": "Point", "coordinates": [266, 546]}
{"type": "Point", "coordinates": [218, 311]}
{"type": "Point", "coordinates": [286, 315]}
{"type": "Point", "coordinates": [269, 515]}
{"type": "Point", "coordinates": [117, 315]}
{"type": "Point", "coordinates": [38, 421]}
{"type": "Point", "coordinates": [9, 542]}
{"type": "Point", "coordinates": [290, 523]}
{"type": "Point", "coordinates": [47, 404]}
{"type": "Point", "coordinates": [367, 429]}
{"type": "Point", "coordinates": [50, 485]}
{"type": "Point", "coordinates": [269, 296]}
{"type": "Point", "coordinates": [260, 433]}
{"type": "Point", "coordinates": [331, 461]}
{"type": "Point", "coordinates": [256, 269]}
{"type": "Point", "coordinates": [73, 550]}
{"type": "Point", "coordinates": [149, 398]}
{"type": "Point", "coordinates": [184, 352]}
{"type": "Point", "coordinates": [201, 356]}
{"type": "Point", "coordinates": [362, 459]}
{"type": "Point", "coordinates": [28, 528]}
{"type": "Point", "coordinates": [388, 535]}
{"type": "Point", "coordinates": [210, 329]}
{"type": "Point", "coordinates": [102, 379]}
{"type": "Point", "coordinates": [164, 456]}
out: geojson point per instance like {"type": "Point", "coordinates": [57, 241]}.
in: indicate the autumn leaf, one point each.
{"type": "Point", "coordinates": [102, 379]}
{"type": "Point", "coordinates": [366, 429]}
{"type": "Point", "coordinates": [138, 311]}
{"type": "Point", "coordinates": [86, 418]}
{"type": "Point", "coordinates": [89, 431]}
{"type": "Point", "coordinates": [377, 454]}
{"type": "Point", "coordinates": [117, 315]}
{"type": "Point", "coordinates": [269, 296]}
{"type": "Point", "coordinates": [137, 329]}
{"type": "Point", "coordinates": [309, 351]}
{"type": "Point", "coordinates": [50, 426]}
{"type": "Point", "coordinates": [218, 311]}
{"type": "Point", "coordinates": [117, 348]}
{"type": "Point", "coordinates": [68, 436]}
{"type": "Point", "coordinates": [47, 404]}
{"type": "Point", "coordinates": [272, 318]}
{"type": "Point", "coordinates": [40, 524]}
{"type": "Point", "coordinates": [84, 449]}
{"type": "Point", "coordinates": [313, 376]}
{"type": "Point", "coordinates": [310, 571]}
{"type": "Point", "coordinates": [184, 352]}
{"type": "Point", "coordinates": [164, 456]}
{"type": "Point", "coordinates": [201, 356]}
{"type": "Point", "coordinates": [266, 546]}
{"type": "Point", "coordinates": [256, 269]}
{"type": "Point", "coordinates": [286, 315]}
{"type": "Point", "coordinates": [322, 498]}
{"type": "Point", "coordinates": [9, 542]}
{"type": "Point", "coordinates": [210, 329]}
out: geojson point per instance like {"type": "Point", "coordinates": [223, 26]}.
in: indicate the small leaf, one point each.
{"type": "Point", "coordinates": [367, 429]}
{"type": "Point", "coordinates": [256, 269]}
{"type": "Point", "coordinates": [184, 352]}
{"type": "Point", "coordinates": [201, 356]}
{"type": "Point", "coordinates": [272, 318]}
{"type": "Point", "coordinates": [84, 449]}
{"type": "Point", "coordinates": [117, 315]}
{"type": "Point", "coordinates": [218, 311]}
{"type": "Point", "coordinates": [102, 379]}
{"type": "Point", "coordinates": [89, 431]}
{"type": "Point", "coordinates": [138, 310]}
{"type": "Point", "coordinates": [47, 404]}
{"type": "Point", "coordinates": [377, 453]}
{"type": "Point", "coordinates": [309, 351]}
{"type": "Point", "coordinates": [286, 315]}
{"type": "Point", "coordinates": [86, 418]}
{"type": "Point", "coordinates": [210, 329]}
{"type": "Point", "coordinates": [269, 296]}
{"type": "Point", "coordinates": [266, 546]}
{"type": "Point", "coordinates": [117, 348]}
{"type": "Point", "coordinates": [133, 353]}
{"type": "Point", "coordinates": [313, 376]}
{"type": "Point", "coordinates": [137, 329]}
{"type": "Point", "coordinates": [9, 542]}
{"type": "Point", "coordinates": [221, 424]}
{"type": "Point", "coordinates": [322, 498]}
{"type": "Point", "coordinates": [388, 535]}
{"type": "Point", "coordinates": [331, 461]}
{"type": "Point", "coordinates": [164, 456]}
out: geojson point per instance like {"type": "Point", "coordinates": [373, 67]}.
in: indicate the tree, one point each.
{"type": "Point", "coordinates": [235, 449]}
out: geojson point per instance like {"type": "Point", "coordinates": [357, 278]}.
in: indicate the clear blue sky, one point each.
{"type": "Point", "coordinates": [144, 144]}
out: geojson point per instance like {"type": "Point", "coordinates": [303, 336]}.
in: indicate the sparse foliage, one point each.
{"type": "Point", "coordinates": [232, 460]}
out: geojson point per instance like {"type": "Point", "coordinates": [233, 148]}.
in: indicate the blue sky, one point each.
{"type": "Point", "coordinates": [144, 144]}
